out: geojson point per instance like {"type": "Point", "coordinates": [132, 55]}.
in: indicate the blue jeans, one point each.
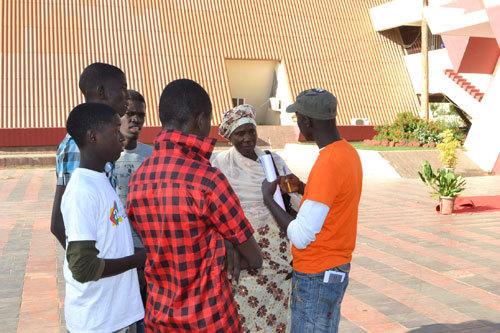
{"type": "Point", "coordinates": [140, 326]}
{"type": "Point", "coordinates": [315, 304]}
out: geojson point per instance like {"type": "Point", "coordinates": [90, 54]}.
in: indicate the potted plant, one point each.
{"type": "Point", "coordinates": [445, 185]}
{"type": "Point", "coordinates": [448, 150]}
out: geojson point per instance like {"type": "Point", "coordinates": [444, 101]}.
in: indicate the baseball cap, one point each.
{"type": "Point", "coordinates": [315, 103]}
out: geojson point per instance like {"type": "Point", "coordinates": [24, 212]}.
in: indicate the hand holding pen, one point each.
{"type": "Point", "coordinates": [286, 180]}
{"type": "Point", "coordinates": [290, 183]}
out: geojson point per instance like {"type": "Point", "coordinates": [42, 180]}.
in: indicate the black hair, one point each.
{"type": "Point", "coordinates": [94, 75]}
{"type": "Point", "coordinates": [88, 116]}
{"type": "Point", "coordinates": [134, 95]}
{"type": "Point", "coordinates": [181, 101]}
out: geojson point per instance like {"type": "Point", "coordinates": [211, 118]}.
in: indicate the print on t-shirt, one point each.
{"type": "Point", "coordinates": [114, 216]}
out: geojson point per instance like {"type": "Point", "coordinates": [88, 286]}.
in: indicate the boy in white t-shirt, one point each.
{"type": "Point", "coordinates": [102, 291]}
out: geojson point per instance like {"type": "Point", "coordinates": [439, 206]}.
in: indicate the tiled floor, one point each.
{"type": "Point", "coordinates": [413, 270]}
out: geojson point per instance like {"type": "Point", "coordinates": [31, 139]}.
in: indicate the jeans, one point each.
{"type": "Point", "coordinates": [315, 305]}
{"type": "Point", "coordinates": [129, 329]}
{"type": "Point", "coordinates": [140, 326]}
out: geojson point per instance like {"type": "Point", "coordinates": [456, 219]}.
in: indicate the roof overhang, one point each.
{"type": "Point", "coordinates": [398, 13]}
{"type": "Point", "coordinates": [491, 3]}
{"type": "Point", "coordinates": [395, 14]}
{"type": "Point", "coordinates": [458, 22]}
{"type": "Point", "coordinates": [468, 29]}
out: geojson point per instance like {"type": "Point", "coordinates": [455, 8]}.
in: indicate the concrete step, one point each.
{"type": "Point", "coordinates": [301, 157]}
{"type": "Point", "coordinates": [27, 160]}
{"type": "Point", "coordinates": [464, 84]}
{"type": "Point", "coordinates": [407, 163]}
{"type": "Point", "coordinates": [471, 90]}
{"type": "Point", "coordinates": [459, 80]}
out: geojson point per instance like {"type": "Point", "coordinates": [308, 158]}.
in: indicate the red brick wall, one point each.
{"type": "Point", "coordinates": [52, 136]}
{"type": "Point", "coordinates": [277, 135]}
{"type": "Point", "coordinates": [27, 137]}
{"type": "Point", "coordinates": [353, 133]}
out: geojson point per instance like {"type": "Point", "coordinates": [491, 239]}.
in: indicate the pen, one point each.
{"type": "Point", "coordinates": [284, 173]}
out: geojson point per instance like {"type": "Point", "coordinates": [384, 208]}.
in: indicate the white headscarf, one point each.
{"type": "Point", "coordinates": [246, 176]}
{"type": "Point", "coordinates": [234, 118]}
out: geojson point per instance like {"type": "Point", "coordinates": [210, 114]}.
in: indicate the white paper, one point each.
{"type": "Point", "coordinates": [326, 278]}
{"type": "Point", "coordinates": [271, 176]}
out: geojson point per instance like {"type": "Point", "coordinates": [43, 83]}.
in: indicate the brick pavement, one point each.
{"type": "Point", "coordinates": [413, 270]}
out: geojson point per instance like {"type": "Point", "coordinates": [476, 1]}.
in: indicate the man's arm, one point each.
{"type": "Point", "coordinates": [310, 219]}
{"type": "Point", "coordinates": [67, 161]}
{"type": "Point", "coordinates": [85, 266]}
{"type": "Point", "coordinates": [280, 215]}
{"type": "Point", "coordinates": [250, 254]}
{"type": "Point", "coordinates": [117, 266]}
{"type": "Point", "coordinates": [229, 220]}
{"type": "Point", "coordinates": [296, 185]}
{"type": "Point", "coordinates": [245, 256]}
{"type": "Point", "coordinates": [302, 230]}
{"type": "Point", "coordinates": [57, 223]}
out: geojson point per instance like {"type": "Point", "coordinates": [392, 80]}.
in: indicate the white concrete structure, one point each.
{"type": "Point", "coordinates": [457, 22]}
{"type": "Point", "coordinates": [479, 19]}
{"type": "Point", "coordinates": [284, 95]}
{"type": "Point", "coordinates": [439, 83]}
{"type": "Point", "coordinates": [254, 82]}
{"type": "Point", "coordinates": [301, 157]}
{"type": "Point", "coordinates": [469, 29]}
{"type": "Point", "coordinates": [398, 13]}
{"type": "Point", "coordinates": [483, 140]}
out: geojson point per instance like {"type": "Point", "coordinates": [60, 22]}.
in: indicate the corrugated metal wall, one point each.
{"type": "Point", "coordinates": [323, 43]}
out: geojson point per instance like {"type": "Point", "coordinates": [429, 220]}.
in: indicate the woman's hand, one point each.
{"type": "Point", "coordinates": [232, 263]}
{"type": "Point", "coordinates": [268, 189]}
{"type": "Point", "coordinates": [292, 180]}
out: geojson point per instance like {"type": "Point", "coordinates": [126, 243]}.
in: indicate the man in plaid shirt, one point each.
{"type": "Point", "coordinates": [68, 160]}
{"type": "Point", "coordinates": [188, 216]}
{"type": "Point", "coordinates": [101, 83]}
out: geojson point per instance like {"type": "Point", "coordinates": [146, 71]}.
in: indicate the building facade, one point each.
{"type": "Point", "coordinates": [262, 52]}
{"type": "Point", "coordinates": [463, 68]}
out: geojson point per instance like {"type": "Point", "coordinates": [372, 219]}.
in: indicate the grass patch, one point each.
{"type": "Point", "coordinates": [360, 145]}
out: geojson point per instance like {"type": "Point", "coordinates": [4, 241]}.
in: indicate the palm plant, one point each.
{"type": "Point", "coordinates": [444, 183]}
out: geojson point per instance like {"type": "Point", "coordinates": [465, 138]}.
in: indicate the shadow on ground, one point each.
{"type": "Point", "coordinates": [481, 326]}
{"type": "Point", "coordinates": [408, 162]}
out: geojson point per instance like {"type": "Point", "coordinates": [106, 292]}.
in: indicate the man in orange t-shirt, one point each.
{"type": "Point", "coordinates": [324, 232]}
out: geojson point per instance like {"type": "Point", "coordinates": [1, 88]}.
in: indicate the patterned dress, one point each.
{"type": "Point", "coordinates": [262, 295]}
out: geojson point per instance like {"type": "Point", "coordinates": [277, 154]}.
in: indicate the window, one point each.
{"type": "Point", "coordinates": [238, 101]}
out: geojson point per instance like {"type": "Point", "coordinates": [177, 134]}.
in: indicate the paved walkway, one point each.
{"type": "Point", "coordinates": [405, 162]}
{"type": "Point", "coordinates": [413, 270]}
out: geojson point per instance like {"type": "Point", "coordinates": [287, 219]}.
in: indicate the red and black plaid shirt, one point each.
{"type": "Point", "coordinates": [183, 209]}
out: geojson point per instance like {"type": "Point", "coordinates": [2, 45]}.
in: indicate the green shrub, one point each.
{"type": "Point", "coordinates": [425, 133]}
{"type": "Point", "coordinates": [401, 129]}
{"type": "Point", "coordinates": [410, 127]}
{"type": "Point", "coordinates": [444, 183]}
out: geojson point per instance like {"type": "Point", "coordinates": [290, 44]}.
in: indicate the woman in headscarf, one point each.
{"type": "Point", "coordinates": [261, 295]}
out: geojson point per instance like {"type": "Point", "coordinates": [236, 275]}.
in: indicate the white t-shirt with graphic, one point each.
{"type": "Point", "coordinates": [129, 161]}
{"type": "Point", "coordinates": [92, 211]}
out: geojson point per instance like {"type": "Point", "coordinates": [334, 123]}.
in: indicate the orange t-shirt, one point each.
{"type": "Point", "coordinates": [335, 180]}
